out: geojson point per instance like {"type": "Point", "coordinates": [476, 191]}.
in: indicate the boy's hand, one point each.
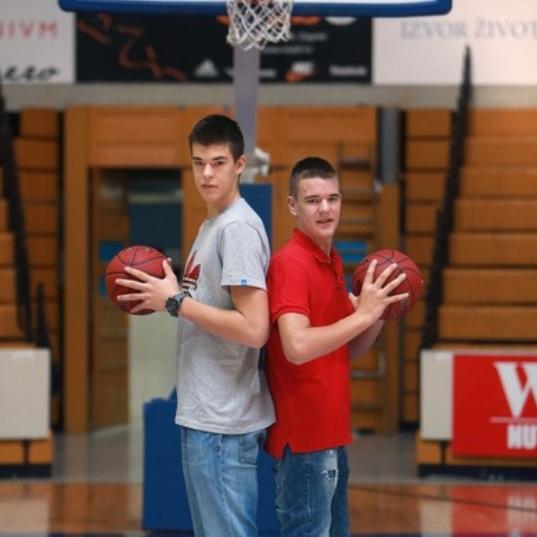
{"type": "Point", "coordinates": [150, 292]}
{"type": "Point", "coordinates": [375, 294]}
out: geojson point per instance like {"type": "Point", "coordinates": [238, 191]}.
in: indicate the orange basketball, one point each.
{"type": "Point", "coordinates": [413, 284]}
{"type": "Point", "coordinates": [140, 257]}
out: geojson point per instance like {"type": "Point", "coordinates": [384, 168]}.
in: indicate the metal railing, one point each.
{"type": "Point", "coordinates": [11, 192]}
{"type": "Point", "coordinates": [445, 215]}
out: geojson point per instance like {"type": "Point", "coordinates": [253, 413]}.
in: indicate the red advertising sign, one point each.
{"type": "Point", "coordinates": [495, 406]}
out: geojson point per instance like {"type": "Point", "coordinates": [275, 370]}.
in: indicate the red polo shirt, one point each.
{"type": "Point", "coordinates": [312, 400]}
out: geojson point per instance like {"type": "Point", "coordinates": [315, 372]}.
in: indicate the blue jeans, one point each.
{"type": "Point", "coordinates": [220, 474]}
{"type": "Point", "coordinates": [311, 493]}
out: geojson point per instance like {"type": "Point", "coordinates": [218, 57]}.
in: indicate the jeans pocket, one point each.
{"type": "Point", "coordinates": [249, 444]}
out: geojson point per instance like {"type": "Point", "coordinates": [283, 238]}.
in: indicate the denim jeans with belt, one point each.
{"type": "Point", "coordinates": [220, 474]}
{"type": "Point", "coordinates": [311, 493]}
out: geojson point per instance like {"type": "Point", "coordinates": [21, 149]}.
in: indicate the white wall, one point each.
{"type": "Point", "coordinates": [152, 341]}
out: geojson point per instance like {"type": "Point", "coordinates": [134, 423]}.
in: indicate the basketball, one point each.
{"type": "Point", "coordinates": [140, 257]}
{"type": "Point", "coordinates": [413, 284]}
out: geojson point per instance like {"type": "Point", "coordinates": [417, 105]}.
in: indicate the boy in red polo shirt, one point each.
{"type": "Point", "coordinates": [316, 326]}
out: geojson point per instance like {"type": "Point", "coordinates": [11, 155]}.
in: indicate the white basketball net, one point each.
{"type": "Point", "coordinates": [254, 23]}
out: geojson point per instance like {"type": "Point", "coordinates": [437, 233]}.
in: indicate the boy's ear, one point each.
{"type": "Point", "coordinates": [291, 205]}
{"type": "Point", "coordinates": [240, 164]}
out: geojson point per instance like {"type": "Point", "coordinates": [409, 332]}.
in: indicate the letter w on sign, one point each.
{"type": "Point", "coordinates": [516, 390]}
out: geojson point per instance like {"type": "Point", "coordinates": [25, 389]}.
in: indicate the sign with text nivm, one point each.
{"type": "Point", "coordinates": [36, 43]}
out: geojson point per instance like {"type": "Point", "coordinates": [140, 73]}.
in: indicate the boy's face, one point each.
{"type": "Point", "coordinates": [216, 174]}
{"type": "Point", "coordinates": [317, 208]}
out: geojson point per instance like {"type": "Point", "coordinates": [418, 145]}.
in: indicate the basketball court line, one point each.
{"type": "Point", "coordinates": [444, 498]}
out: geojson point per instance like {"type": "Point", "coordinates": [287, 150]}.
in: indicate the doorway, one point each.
{"type": "Point", "coordinates": [131, 357]}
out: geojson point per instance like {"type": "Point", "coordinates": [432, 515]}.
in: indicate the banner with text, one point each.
{"type": "Point", "coordinates": [502, 37]}
{"type": "Point", "coordinates": [124, 47]}
{"type": "Point", "coordinates": [495, 406]}
{"type": "Point", "coordinates": [36, 42]}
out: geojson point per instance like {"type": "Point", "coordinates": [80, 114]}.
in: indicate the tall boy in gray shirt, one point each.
{"type": "Point", "coordinates": [223, 402]}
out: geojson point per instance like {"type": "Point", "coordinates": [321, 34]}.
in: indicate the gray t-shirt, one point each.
{"type": "Point", "coordinates": [221, 387]}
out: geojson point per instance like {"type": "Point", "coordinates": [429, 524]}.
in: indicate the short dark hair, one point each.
{"type": "Point", "coordinates": [218, 129]}
{"type": "Point", "coordinates": [308, 168]}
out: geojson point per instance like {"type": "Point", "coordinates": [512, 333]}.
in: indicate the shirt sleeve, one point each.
{"type": "Point", "coordinates": [288, 288]}
{"type": "Point", "coordinates": [244, 256]}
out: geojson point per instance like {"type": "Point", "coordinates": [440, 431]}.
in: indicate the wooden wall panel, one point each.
{"type": "Point", "coordinates": [410, 408]}
{"type": "Point", "coordinates": [496, 215]}
{"type": "Point", "coordinates": [76, 270]}
{"type": "Point", "coordinates": [41, 219]}
{"type": "Point", "coordinates": [38, 187]}
{"type": "Point", "coordinates": [427, 154]}
{"type": "Point", "coordinates": [498, 183]}
{"type": "Point", "coordinates": [11, 452]}
{"type": "Point", "coordinates": [489, 323]}
{"type": "Point", "coordinates": [411, 377]}
{"type": "Point", "coordinates": [41, 451]}
{"type": "Point", "coordinates": [365, 392]}
{"type": "Point", "coordinates": [9, 327]}
{"type": "Point", "coordinates": [493, 249]}
{"type": "Point", "coordinates": [109, 358]}
{"type": "Point", "coordinates": [387, 236]}
{"type": "Point", "coordinates": [49, 278]}
{"type": "Point", "coordinates": [272, 129]}
{"type": "Point", "coordinates": [282, 220]}
{"type": "Point", "coordinates": [328, 123]}
{"type": "Point", "coordinates": [420, 249]}
{"type": "Point", "coordinates": [329, 132]}
{"type": "Point", "coordinates": [420, 218]}
{"type": "Point", "coordinates": [38, 155]}
{"type": "Point", "coordinates": [424, 186]}
{"type": "Point", "coordinates": [411, 344]}
{"type": "Point", "coordinates": [428, 123]}
{"type": "Point", "coordinates": [356, 184]}
{"type": "Point", "coordinates": [3, 215]}
{"type": "Point", "coordinates": [37, 152]}
{"type": "Point", "coordinates": [503, 121]}
{"type": "Point", "coordinates": [427, 146]}
{"type": "Point", "coordinates": [416, 318]}
{"type": "Point", "coordinates": [490, 286]}
{"type": "Point", "coordinates": [39, 123]}
{"type": "Point", "coordinates": [369, 362]}
{"type": "Point", "coordinates": [51, 312]}
{"type": "Point", "coordinates": [6, 248]}
{"type": "Point", "coordinates": [7, 285]}
{"type": "Point", "coordinates": [501, 152]}
{"type": "Point", "coordinates": [126, 137]}
{"type": "Point", "coordinates": [43, 250]}
{"type": "Point", "coordinates": [294, 151]}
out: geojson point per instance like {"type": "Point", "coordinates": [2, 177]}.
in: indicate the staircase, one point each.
{"type": "Point", "coordinates": [10, 332]}
{"type": "Point", "coordinates": [490, 286]}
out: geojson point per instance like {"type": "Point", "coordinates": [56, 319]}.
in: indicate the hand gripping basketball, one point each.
{"type": "Point", "coordinates": [413, 283]}
{"type": "Point", "coordinates": [140, 257]}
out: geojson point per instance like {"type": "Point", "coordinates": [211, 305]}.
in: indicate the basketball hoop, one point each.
{"type": "Point", "coordinates": [254, 23]}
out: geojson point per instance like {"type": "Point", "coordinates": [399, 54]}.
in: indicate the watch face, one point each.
{"type": "Point", "coordinates": [172, 305]}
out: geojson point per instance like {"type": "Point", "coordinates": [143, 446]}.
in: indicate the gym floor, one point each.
{"type": "Point", "coordinates": [96, 490]}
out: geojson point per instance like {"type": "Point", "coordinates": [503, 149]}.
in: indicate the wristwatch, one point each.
{"type": "Point", "coordinates": [173, 304]}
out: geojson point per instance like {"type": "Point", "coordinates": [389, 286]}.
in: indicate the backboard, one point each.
{"type": "Point", "coordinates": [347, 8]}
